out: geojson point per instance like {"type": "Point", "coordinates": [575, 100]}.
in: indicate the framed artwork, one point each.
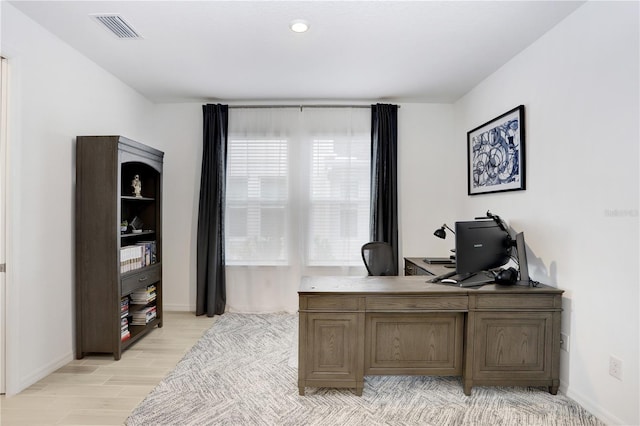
{"type": "Point", "coordinates": [495, 154]}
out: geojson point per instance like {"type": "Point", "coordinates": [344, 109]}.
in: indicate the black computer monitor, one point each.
{"type": "Point", "coordinates": [481, 245]}
{"type": "Point", "coordinates": [523, 265]}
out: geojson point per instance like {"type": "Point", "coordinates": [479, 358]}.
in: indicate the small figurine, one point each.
{"type": "Point", "coordinates": [137, 186]}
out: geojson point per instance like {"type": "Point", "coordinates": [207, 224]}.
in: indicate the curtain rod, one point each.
{"type": "Point", "coordinates": [301, 106]}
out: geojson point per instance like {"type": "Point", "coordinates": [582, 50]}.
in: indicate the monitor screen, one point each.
{"type": "Point", "coordinates": [481, 245]}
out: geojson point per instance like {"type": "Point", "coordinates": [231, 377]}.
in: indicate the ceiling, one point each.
{"type": "Point", "coordinates": [423, 51]}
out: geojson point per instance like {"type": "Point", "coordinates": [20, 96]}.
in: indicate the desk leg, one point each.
{"type": "Point", "coordinates": [469, 348]}
{"type": "Point", "coordinates": [302, 348]}
{"type": "Point", "coordinates": [467, 384]}
{"type": "Point", "coordinates": [553, 389]}
{"type": "Point", "coordinates": [359, 387]}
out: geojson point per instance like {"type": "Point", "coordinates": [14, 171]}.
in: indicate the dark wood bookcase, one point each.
{"type": "Point", "coordinates": [105, 277]}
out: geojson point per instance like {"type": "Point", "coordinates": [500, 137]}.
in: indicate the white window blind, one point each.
{"type": "Point", "coordinates": [257, 200]}
{"type": "Point", "coordinates": [297, 186]}
{"type": "Point", "coordinates": [339, 199]}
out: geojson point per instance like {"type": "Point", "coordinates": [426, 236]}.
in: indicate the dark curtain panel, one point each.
{"type": "Point", "coordinates": [384, 180]}
{"type": "Point", "coordinates": [211, 293]}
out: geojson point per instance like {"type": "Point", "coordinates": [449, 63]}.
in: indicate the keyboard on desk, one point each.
{"type": "Point", "coordinates": [441, 277]}
{"type": "Point", "coordinates": [464, 280]}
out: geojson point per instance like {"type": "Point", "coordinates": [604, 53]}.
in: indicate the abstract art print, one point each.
{"type": "Point", "coordinates": [495, 154]}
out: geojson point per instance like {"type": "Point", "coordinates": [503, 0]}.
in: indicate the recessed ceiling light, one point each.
{"type": "Point", "coordinates": [299, 25]}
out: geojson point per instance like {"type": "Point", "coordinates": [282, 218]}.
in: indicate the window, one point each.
{"type": "Point", "coordinates": [297, 186]}
{"type": "Point", "coordinates": [339, 199]}
{"type": "Point", "coordinates": [257, 200]}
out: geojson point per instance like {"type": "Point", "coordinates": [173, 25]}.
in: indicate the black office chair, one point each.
{"type": "Point", "coordinates": [378, 258]}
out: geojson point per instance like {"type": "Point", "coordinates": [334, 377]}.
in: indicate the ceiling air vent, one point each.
{"type": "Point", "coordinates": [117, 25]}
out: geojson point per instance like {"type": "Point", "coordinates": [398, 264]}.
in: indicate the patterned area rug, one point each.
{"type": "Point", "coordinates": [243, 371]}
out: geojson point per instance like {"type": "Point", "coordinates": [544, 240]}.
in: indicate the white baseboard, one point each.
{"type": "Point", "coordinates": [41, 373]}
{"type": "Point", "coordinates": [591, 406]}
{"type": "Point", "coordinates": [178, 308]}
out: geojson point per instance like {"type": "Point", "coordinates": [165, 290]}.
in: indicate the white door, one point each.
{"type": "Point", "coordinates": [3, 175]}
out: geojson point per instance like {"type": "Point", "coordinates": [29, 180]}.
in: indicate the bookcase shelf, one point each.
{"type": "Point", "coordinates": [132, 235]}
{"type": "Point", "coordinates": [113, 267]}
{"type": "Point", "coordinates": [132, 198]}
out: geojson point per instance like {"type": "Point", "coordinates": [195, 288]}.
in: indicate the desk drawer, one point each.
{"type": "Point", "coordinates": [139, 279]}
{"type": "Point", "coordinates": [404, 303]}
{"type": "Point", "coordinates": [329, 303]}
{"type": "Point", "coordinates": [517, 301]}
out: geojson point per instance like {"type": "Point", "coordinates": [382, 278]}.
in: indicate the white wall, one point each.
{"type": "Point", "coordinates": [579, 213]}
{"type": "Point", "coordinates": [428, 180]}
{"type": "Point", "coordinates": [55, 94]}
{"type": "Point", "coordinates": [178, 132]}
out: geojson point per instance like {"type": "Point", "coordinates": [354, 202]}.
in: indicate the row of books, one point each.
{"type": "Point", "coordinates": [137, 256]}
{"type": "Point", "coordinates": [124, 329]}
{"type": "Point", "coordinates": [128, 316]}
{"type": "Point", "coordinates": [124, 319]}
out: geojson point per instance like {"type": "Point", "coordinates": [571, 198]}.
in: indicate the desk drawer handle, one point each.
{"type": "Point", "coordinates": [143, 279]}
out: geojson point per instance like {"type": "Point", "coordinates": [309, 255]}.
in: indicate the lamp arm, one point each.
{"type": "Point", "coordinates": [446, 226]}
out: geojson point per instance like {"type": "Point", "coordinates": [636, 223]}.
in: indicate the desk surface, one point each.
{"type": "Point", "coordinates": [416, 284]}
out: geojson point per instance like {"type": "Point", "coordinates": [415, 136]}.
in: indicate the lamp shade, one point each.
{"type": "Point", "coordinates": [441, 233]}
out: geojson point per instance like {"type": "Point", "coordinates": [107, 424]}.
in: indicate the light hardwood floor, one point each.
{"type": "Point", "coordinates": [97, 390]}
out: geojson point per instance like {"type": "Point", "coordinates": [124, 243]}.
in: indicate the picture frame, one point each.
{"type": "Point", "coordinates": [496, 154]}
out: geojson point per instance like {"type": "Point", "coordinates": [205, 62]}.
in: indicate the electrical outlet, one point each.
{"type": "Point", "coordinates": [564, 342]}
{"type": "Point", "coordinates": [615, 367]}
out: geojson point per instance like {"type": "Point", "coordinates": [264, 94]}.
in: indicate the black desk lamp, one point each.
{"type": "Point", "coordinates": [441, 233]}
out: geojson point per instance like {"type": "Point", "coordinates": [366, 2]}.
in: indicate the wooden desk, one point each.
{"type": "Point", "coordinates": [417, 266]}
{"type": "Point", "coordinates": [351, 327]}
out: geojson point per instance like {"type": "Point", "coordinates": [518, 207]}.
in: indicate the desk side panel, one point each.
{"type": "Point", "coordinates": [331, 342]}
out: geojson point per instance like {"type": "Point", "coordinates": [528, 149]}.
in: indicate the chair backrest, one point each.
{"type": "Point", "coordinates": [378, 258]}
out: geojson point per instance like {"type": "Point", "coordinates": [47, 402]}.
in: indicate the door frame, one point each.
{"type": "Point", "coordinates": [3, 209]}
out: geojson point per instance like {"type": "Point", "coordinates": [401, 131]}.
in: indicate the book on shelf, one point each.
{"type": "Point", "coordinates": [144, 316]}
{"type": "Point", "coordinates": [144, 295]}
{"type": "Point", "coordinates": [130, 258]}
{"type": "Point", "coordinates": [124, 307]}
{"type": "Point", "coordinates": [124, 319]}
{"type": "Point", "coordinates": [137, 256]}
{"type": "Point", "coordinates": [150, 251]}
